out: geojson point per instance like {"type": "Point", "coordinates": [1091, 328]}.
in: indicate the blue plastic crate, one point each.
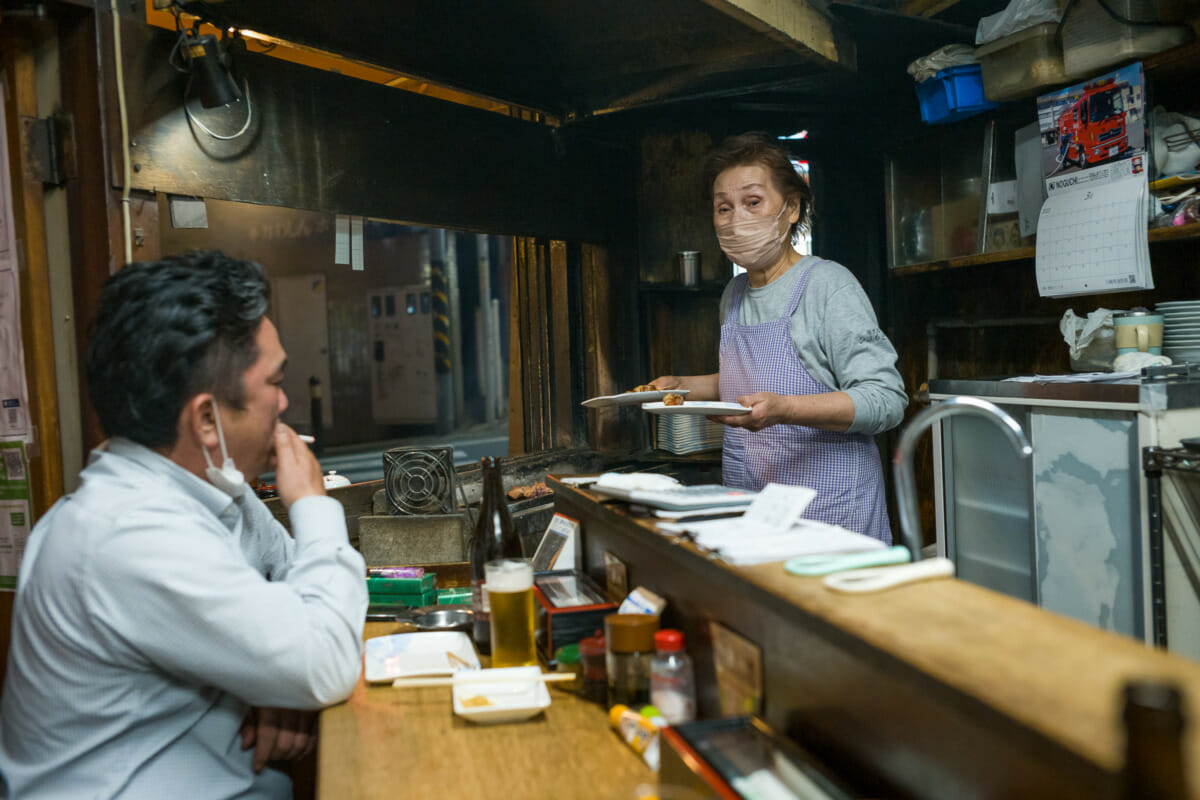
{"type": "Point", "coordinates": [954, 93]}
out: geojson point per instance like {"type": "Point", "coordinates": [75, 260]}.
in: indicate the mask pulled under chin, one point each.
{"type": "Point", "coordinates": [228, 478]}
{"type": "Point", "coordinates": [755, 243]}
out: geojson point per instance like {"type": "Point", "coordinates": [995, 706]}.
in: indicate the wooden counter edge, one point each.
{"type": "Point", "coordinates": [1050, 673]}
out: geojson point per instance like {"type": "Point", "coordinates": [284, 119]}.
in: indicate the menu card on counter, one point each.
{"type": "Point", "coordinates": [1091, 231]}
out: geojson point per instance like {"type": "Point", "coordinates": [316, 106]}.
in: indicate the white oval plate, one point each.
{"type": "Point", "coordinates": [630, 398]}
{"type": "Point", "coordinates": [702, 407]}
{"type": "Point", "coordinates": [407, 655]}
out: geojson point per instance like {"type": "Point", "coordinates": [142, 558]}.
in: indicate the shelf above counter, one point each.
{"type": "Point", "coordinates": [1177, 233]}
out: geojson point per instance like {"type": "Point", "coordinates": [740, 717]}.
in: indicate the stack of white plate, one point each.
{"type": "Point", "coordinates": [688, 433]}
{"type": "Point", "coordinates": [1181, 329]}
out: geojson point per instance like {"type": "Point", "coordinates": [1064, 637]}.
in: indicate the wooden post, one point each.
{"type": "Point", "coordinates": [18, 43]}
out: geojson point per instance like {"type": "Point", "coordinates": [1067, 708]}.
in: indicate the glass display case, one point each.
{"type": "Point", "coordinates": [938, 192]}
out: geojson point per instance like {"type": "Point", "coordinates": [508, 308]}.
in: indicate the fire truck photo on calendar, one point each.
{"type": "Point", "coordinates": [1097, 122]}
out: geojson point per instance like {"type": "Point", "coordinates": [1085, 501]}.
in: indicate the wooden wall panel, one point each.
{"type": "Point", "coordinates": [516, 357]}
{"type": "Point", "coordinates": [607, 342]}
{"type": "Point", "coordinates": [559, 357]}
{"type": "Point", "coordinates": [327, 142]}
{"type": "Point", "coordinates": [682, 333]}
{"type": "Point", "coordinates": [672, 212]}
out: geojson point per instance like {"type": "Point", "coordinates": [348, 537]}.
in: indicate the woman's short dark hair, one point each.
{"type": "Point", "coordinates": [168, 330]}
{"type": "Point", "coordinates": [747, 149]}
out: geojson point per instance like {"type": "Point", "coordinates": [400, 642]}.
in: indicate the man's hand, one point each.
{"type": "Point", "coordinates": [278, 734]}
{"type": "Point", "coordinates": [297, 471]}
{"type": "Point", "coordinates": [766, 409]}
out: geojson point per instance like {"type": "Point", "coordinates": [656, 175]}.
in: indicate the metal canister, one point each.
{"type": "Point", "coordinates": [689, 267]}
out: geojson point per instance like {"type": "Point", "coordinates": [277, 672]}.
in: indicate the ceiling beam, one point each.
{"type": "Point", "coordinates": [797, 24]}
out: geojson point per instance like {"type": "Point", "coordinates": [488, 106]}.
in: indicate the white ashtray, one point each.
{"type": "Point", "coordinates": [489, 696]}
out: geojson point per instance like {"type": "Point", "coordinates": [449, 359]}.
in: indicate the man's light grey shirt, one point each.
{"type": "Point", "coordinates": [152, 611]}
{"type": "Point", "coordinates": [837, 338]}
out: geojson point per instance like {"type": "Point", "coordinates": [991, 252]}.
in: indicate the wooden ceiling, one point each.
{"type": "Point", "coordinates": [574, 59]}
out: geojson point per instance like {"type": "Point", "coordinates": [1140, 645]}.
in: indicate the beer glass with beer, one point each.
{"type": "Point", "coordinates": [510, 595]}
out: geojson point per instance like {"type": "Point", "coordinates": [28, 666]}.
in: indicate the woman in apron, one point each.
{"type": "Point", "coordinates": [800, 346]}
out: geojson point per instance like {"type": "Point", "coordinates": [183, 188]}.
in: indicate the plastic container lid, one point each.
{"type": "Point", "coordinates": [567, 654]}
{"type": "Point", "coordinates": [614, 714]}
{"type": "Point", "coordinates": [630, 633]}
{"type": "Point", "coordinates": [592, 645]}
{"type": "Point", "coordinates": [668, 639]}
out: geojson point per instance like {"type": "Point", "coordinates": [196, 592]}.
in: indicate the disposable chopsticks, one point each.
{"type": "Point", "coordinates": [549, 677]}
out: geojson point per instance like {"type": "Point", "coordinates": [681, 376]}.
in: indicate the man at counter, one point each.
{"type": "Point", "coordinates": [165, 623]}
{"type": "Point", "coordinates": [800, 347]}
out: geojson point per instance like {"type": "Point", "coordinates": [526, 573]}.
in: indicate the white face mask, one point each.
{"type": "Point", "coordinates": [755, 243]}
{"type": "Point", "coordinates": [228, 478]}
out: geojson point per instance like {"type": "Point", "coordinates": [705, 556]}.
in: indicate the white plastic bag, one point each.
{"type": "Point", "coordinates": [1017, 16]}
{"type": "Point", "coordinates": [1092, 341]}
{"type": "Point", "coordinates": [1175, 142]}
{"type": "Point", "coordinates": [952, 55]}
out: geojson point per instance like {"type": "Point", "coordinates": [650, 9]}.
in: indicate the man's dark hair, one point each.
{"type": "Point", "coordinates": [747, 149]}
{"type": "Point", "coordinates": [168, 330]}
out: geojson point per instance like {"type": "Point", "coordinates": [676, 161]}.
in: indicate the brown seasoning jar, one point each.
{"type": "Point", "coordinates": [630, 642]}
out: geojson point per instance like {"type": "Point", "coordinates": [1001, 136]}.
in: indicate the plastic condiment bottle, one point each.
{"type": "Point", "coordinates": [637, 731]}
{"type": "Point", "coordinates": [595, 674]}
{"type": "Point", "coordinates": [672, 679]}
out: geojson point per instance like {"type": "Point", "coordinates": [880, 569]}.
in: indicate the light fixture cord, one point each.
{"type": "Point", "coordinates": [126, 221]}
{"type": "Point", "coordinates": [192, 117]}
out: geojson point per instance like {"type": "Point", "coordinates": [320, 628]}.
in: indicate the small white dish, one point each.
{"type": "Point", "coordinates": [406, 655]}
{"type": "Point", "coordinates": [508, 699]}
{"type": "Point", "coordinates": [700, 407]}
{"type": "Point", "coordinates": [631, 398]}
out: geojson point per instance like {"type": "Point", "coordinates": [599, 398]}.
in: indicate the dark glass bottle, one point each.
{"type": "Point", "coordinates": [495, 537]}
{"type": "Point", "coordinates": [1154, 742]}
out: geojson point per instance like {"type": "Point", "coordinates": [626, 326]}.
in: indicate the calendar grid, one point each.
{"type": "Point", "coordinates": [1094, 239]}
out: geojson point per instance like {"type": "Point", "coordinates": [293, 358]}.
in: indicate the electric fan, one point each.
{"type": "Point", "coordinates": [420, 480]}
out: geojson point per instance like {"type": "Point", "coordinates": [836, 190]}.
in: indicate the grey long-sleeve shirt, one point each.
{"type": "Point", "coordinates": [152, 611]}
{"type": "Point", "coordinates": [837, 338]}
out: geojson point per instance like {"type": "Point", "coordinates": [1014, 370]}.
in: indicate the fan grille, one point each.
{"type": "Point", "coordinates": [420, 480]}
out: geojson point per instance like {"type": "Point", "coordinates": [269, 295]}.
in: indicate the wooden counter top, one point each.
{"type": "Point", "coordinates": [952, 642]}
{"type": "Point", "coordinates": [387, 743]}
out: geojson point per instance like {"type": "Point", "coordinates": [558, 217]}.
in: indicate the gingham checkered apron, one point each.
{"type": "Point", "coordinates": [844, 468]}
